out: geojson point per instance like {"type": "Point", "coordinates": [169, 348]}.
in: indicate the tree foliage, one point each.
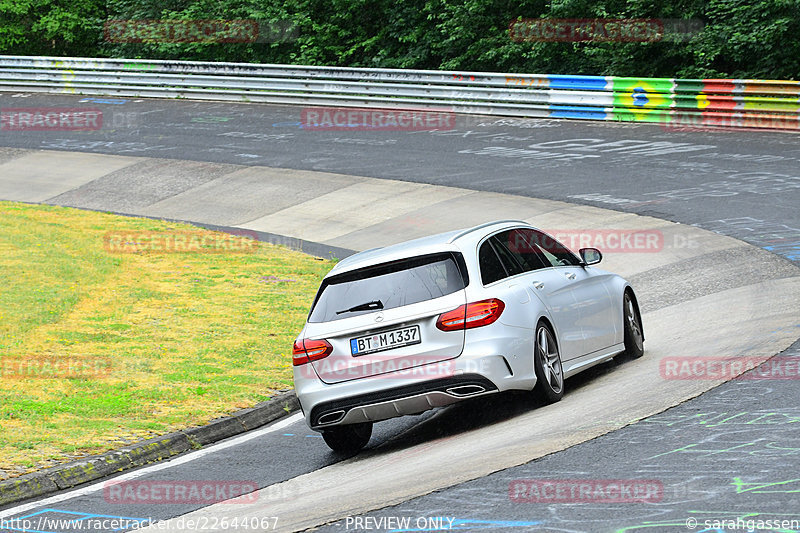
{"type": "Point", "coordinates": [736, 38]}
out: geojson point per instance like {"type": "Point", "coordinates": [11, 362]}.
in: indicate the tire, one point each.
{"type": "Point", "coordinates": [547, 364]}
{"type": "Point", "coordinates": [634, 333]}
{"type": "Point", "coordinates": [349, 438]}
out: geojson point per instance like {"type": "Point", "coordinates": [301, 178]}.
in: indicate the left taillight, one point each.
{"type": "Point", "coordinates": [472, 315]}
{"type": "Point", "coordinates": [307, 350]}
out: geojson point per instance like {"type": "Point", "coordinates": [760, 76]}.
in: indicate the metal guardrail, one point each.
{"type": "Point", "coordinates": [682, 103]}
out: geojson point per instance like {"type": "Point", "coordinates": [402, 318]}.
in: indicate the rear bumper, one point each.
{"type": "Point", "coordinates": [407, 392]}
{"type": "Point", "coordinates": [407, 400]}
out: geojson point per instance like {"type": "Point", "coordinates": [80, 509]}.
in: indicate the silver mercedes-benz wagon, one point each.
{"type": "Point", "coordinates": [502, 306]}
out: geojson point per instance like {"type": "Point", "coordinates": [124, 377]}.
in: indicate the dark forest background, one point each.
{"type": "Point", "coordinates": [733, 38]}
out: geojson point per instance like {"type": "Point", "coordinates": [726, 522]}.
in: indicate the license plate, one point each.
{"type": "Point", "coordinates": [385, 341]}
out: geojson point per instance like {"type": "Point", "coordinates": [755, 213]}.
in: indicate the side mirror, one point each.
{"type": "Point", "coordinates": [590, 256]}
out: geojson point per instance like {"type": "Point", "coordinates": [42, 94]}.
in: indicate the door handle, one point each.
{"type": "Point", "coordinates": [570, 275]}
{"type": "Point", "coordinates": [538, 284]}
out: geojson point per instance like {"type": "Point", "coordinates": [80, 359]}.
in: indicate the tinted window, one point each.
{"type": "Point", "coordinates": [393, 285]}
{"type": "Point", "coordinates": [519, 244]}
{"type": "Point", "coordinates": [556, 253]}
{"type": "Point", "coordinates": [507, 258]}
{"type": "Point", "coordinates": [491, 268]}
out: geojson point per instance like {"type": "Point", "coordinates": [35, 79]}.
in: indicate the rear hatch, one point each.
{"type": "Point", "coordinates": [382, 318]}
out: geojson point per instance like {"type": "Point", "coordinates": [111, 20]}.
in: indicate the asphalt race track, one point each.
{"type": "Point", "coordinates": [742, 184]}
{"type": "Point", "coordinates": [732, 452]}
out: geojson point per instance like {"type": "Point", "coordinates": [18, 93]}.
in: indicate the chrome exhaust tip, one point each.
{"type": "Point", "coordinates": [330, 418]}
{"type": "Point", "coordinates": [465, 390]}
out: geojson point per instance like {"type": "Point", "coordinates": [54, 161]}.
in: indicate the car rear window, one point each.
{"type": "Point", "coordinates": [394, 284]}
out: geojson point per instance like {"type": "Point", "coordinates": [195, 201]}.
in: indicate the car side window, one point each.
{"type": "Point", "coordinates": [555, 252]}
{"type": "Point", "coordinates": [491, 268]}
{"type": "Point", "coordinates": [513, 267]}
{"type": "Point", "coordinates": [519, 243]}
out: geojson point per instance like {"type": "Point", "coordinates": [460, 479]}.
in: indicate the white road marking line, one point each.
{"type": "Point", "coordinates": [191, 456]}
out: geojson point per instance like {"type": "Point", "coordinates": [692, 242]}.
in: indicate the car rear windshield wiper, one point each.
{"type": "Point", "coordinates": [375, 304]}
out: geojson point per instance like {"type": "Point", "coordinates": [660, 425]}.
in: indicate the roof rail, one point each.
{"type": "Point", "coordinates": [479, 226]}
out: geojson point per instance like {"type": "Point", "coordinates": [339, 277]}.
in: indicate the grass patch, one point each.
{"type": "Point", "coordinates": [101, 348]}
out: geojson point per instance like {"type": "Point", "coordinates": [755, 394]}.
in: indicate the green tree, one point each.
{"type": "Point", "coordinates": [51, 27]}
{"type": "Point", "coordinates": [747, 39]}
{"type": "Point", "coordinates": [739, 38]}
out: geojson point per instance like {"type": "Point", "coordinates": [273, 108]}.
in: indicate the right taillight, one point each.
{"type": "Point", "coordinates": [472, 315]}
{"type": "Point", "coordinates": [307, 350]}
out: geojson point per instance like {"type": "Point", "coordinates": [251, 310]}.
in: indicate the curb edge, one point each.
{"type": "Point", "coordinates": [76, 473]}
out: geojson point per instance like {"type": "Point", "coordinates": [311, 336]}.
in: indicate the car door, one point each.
{"type": "Point", "coordinates": [546, 284]}
{"type": "Point", "coordinates": [588, 285]}
{"type": "Point", "coordinates": [597, 309]}
{"type": "Point", "coordinates": [504, 279]}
